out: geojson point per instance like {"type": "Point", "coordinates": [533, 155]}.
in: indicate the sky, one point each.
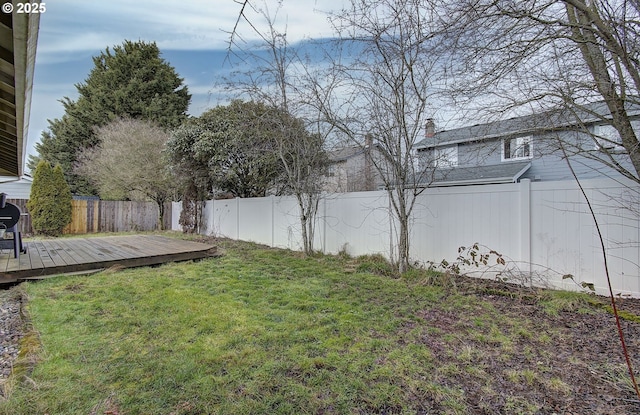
{"type": "Point", "coordinates": [193, 36]}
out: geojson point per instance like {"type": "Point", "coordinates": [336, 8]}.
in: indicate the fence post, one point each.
{"type": "Point", "coordinates": [324, 223]}
{"type": "Point", "coordinates": [237, 218]}
{"type": "Point", "coordinates": [210, 210]}
{"type": "Point", "coordinates": [525, 224]}
{"type": "Point", "coordinates": [95, 215]}
{"type": "Point", "coordinates": [273, 220]}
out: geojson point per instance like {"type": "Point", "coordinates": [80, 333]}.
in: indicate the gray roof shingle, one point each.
{"type": "Point", "coordinates": [508, 172]}
{"type": "Point", "coordinates": [546, 121]}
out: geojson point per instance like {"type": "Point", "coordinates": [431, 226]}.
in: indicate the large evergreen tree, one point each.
{"type": "Point", "coordinates": [133, 81]}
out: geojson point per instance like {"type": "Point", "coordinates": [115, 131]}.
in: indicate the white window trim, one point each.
{"type": "Point", "coordinates": [519, 143]}
{"type": "Point", "coordinates": [437, 157]}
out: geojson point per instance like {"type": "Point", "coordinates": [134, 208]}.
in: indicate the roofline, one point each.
{"type": "Point", "coordinates": [339, 159]}
{"type": "Point", "coordinates": [521, 172]}
{"type": "Point", "coordinates": [520, 132]}
{"type": "Point", "coordinates": [562, 126]}
{"type": "Point", "coordinates": [491, 180]}
{"type": "Point", "coordinates": [488, 180]}
{"type": "Point", "coordinates": [361, 150]}
{"type": "Point", "coordinates": [26, 36]}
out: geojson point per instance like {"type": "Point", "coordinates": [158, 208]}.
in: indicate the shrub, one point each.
{"type": "Point", "coordinates": [50, 200]}
{"type": "Point", "coordinates": [375, 264]}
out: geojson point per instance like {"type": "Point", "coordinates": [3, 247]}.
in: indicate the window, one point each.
{"type": "Point", "coordinates": [444, 157]}
{"type": "Point", "coordinates": [607, 138]}
{"type": "Point", "coordinates": [517, 148]}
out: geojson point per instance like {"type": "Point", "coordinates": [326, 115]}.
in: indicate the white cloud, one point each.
{"type": "Point", "coordinates": [71, 31]}
{"type": "Point", "coordinates": [195, 89]}
{"type": "Point", "coordinates": [300, 19]}
{"type": "Point", "coordinates": [81, 26]}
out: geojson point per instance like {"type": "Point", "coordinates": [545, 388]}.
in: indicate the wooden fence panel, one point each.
{"type": "Point", "coordinates": [123, 216]}
{"type": "Point", "coordinates": [78, 223]}
{"type": "Point", "coordinates": [91, 216]}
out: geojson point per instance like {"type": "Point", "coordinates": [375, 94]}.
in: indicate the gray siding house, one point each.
{"type": "Point", "coordinates": [351, 170]}
{"type": "Point", "coordinates": [529, 147]}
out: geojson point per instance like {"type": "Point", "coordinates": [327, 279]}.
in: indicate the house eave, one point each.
{"type": "Point", "coordinates": [17, 63]}
{"type": "Point", "coordinates": [491, 180]}
{"type": "Point", "coordinates": [512, 178]}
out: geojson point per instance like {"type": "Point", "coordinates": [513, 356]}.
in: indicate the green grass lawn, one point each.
{"type": "Point", "coordinates": [260, 331]}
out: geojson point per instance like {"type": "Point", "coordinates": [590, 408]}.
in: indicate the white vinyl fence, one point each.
{"type": "Point", "coordinates": [543, 229]}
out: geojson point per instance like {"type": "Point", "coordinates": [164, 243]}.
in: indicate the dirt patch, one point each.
{"type": "Point", "coordinates": [567, 362]}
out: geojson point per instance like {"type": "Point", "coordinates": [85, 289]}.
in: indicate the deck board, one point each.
{"type": "Point", "coordinates": [50, 257]}
{"type": "Point", "coordinates": [107, 252]}
{"type": "Point", "coordinates": [76, 251]}
{"type": "Point", "coordinates": [42, 254]}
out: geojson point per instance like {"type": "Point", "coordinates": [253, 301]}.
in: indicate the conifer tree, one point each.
{"type": "Point", "coordinates": [50, 200]}
{"type": "Point", "coordinates": [130, 81]}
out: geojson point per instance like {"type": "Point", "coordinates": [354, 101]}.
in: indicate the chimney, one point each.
{"type": "Point", "coordinates": [430, 128]}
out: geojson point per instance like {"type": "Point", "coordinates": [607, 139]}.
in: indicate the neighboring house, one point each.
{"type": "Point", "coordinates": [16, 189]}
{"type": "Point", "coordinates": [523, 147]}
{"type": "Point", "coordinates": [351, 170]}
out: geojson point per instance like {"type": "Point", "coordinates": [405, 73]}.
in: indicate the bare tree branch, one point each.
{"type": "Point", "coordinates": [272, 80]}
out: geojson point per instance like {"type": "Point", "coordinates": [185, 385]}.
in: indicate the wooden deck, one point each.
{"type": "Point", "coordinates": [62, 256]}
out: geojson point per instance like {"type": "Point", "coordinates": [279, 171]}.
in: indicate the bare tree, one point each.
{"type": "Point", "coordinates": [130, 163]}
{"type": "Point", "coordinates": [272, 80]}
{"type": "Point", "coordinates": [508, 56]}
{"type": "Point", "coordinates": [380, 88]}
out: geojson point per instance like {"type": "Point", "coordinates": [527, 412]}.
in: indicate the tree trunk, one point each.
{"type": "Point", "coordinates": [308, 205]}
{"type": "Point", "coordinates": [403, 247]}
{"type": "Point", "coordinates": [597, 64]}
{"type": "Point", "coordinates": [305, 236]}
{"type": "Point", "coordinates": [403, 237]}
{"type": "Point", "coordinates": [161, 213]}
